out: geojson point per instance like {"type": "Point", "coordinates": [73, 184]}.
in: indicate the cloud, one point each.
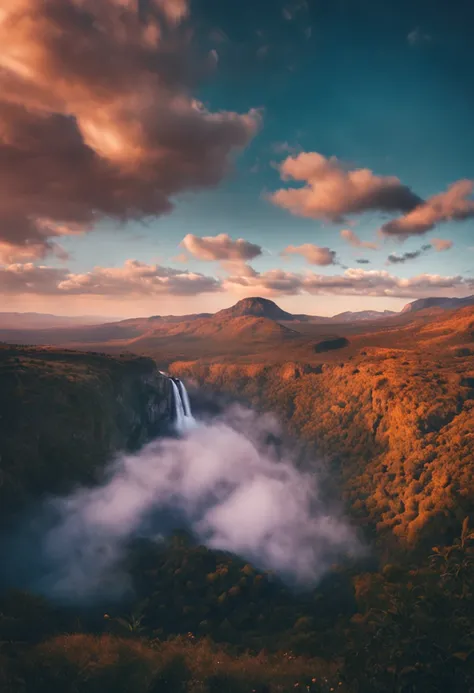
{"type": "Point", "coordinates": [291, 9]}
{"type": "Point", "coordinates": [395, 259]}
{"type": "Point", "coordinates": [452, 205]}
{"type": "Point", "coordinates": [97, 116]}
{"type": "Point", "coordinates": [11, 253]}
{"type": "Point", "coordinates": [417, 36]}
{"type": "Point", "coordinates": [30, 279]}
{"type": "Point", "coordinates": [285, 148]}
{"type": "Point", "coordinates": [223, 480]}
{"type": "Point", "coordinates": [353, 282]}
{"type": "Point", "coordinates": [132, 279]}
{"type": "Point", "coordinates": [314, 254]}
{"type": "Point", "coordinates": [138, 279]}
{"type": "Point", "coordinates": [220, 248]}
{"type": "Point", "coordinates": [354, 240]}
{"type": "Point", "coordinates": [441, 244]}
{"type": "Point", "coordinates": [331, 190]}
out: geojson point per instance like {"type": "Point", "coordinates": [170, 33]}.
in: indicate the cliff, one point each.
{"type": "Point", "coordinates": [63, 414]}
{"type": "Point", "coordinates": [394, 427]}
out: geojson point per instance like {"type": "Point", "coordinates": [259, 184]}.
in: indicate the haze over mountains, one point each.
{"type": "Point", "coordinates": [256, 307]}
{"type": "Point", "coordinates": [32, 321]}
{"type": "Point", "coordinates": [254, 329]}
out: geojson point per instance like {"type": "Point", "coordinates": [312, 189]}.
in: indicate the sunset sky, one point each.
{"type": "Point", "coordinates": [166, 156]}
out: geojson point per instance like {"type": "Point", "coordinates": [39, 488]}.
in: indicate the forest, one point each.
{"type": "Point", "coordinates": [196, 620]}
{"type": "Point", "coordinates": [205, 621]}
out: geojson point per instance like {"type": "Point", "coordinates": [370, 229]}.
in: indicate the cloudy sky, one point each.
{"type": "Point", "coordinates": [173, 156]}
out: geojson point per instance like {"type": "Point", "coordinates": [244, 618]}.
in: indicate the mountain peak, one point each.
{"type": "Point", "coordinates": [257, 307]}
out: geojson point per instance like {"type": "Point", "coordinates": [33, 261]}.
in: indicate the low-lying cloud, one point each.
{"type": "Point", "coordinates": [224, 482]}
{"type": "Point", "coordinates": [137, 279]}
{"type": "Point", "coordinates": [132, 279]}
{"type": "Point", "coordinates": [353, 282]}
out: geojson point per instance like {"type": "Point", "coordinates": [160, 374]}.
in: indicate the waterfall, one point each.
{"type": "Point", "coordinates": [185, 399]}
{"type": "Point", "coordinates": [184, 418]}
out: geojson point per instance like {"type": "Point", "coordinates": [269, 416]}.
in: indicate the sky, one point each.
{"type": "Point", "coordinates": [174, 156]}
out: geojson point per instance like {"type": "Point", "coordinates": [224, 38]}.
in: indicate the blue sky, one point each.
{"type": "Point", "coordinates": [385, 86]}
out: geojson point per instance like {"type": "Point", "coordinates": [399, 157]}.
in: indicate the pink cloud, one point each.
{"type": "Point", "coordinates": [97, 116]}
{"type": "Point", "coordinates": [353, 282]}
{"type": "Point", "coordinates": [331, 190]}
{"type": "Point", "coordinates": [452, 205]}
{"type": "Point", "coordinates": [441, 244]}
{"type": "Point", "coordinates": [220, 248]}
{"type": "Point", "coordinates": [314, 254]}
{"type": "Point", "coordinates": [11, 253]}
{"type": "Point", "coordinates": [353, 239]}
{"type": "Point", "coordinates": [131, 280]}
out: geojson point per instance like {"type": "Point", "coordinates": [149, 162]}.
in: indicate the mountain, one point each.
{"type": "Point", "coordinates": [256, 307]}
{"type": "Point", "coordinates": [438, 302]}
{"type": "Point", "coordinates": [362, 315]}
{"type": "Point", "coordinates": [34, 321]}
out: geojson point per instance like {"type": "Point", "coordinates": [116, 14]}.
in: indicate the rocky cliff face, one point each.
{"type": "Point", "coordinates": [63, 415]}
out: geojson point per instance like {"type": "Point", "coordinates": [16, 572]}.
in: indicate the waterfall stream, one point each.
{"type": "Point", "coordinates": [185, 399]}
{"type": "Point", "coordinates": [184, 417]}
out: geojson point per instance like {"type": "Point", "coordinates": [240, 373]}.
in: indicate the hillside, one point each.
{"type": "Point", "coordinates": [438, 302]}
{"type": "Point", "coordinates": [152, 330]}
{"type": "Point", "coordinates": [394, 424]}
{"type": "Point", "coordinates": [363, 315]}
{"type": "Point", "coordinates": [64, 413]}
{"type": "Point", "coordinates": [225, 332]}
{"type": "Point", "coordinates": [385, 423]}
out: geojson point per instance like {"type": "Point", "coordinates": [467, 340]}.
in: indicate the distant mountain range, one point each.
{"type": "Point", "coordinates": [255, 307]}
{"type": "Point", "coordinates": [45, 321]}
{"type": "Point", "coordinates": [438, 302]}
{"type": "Point", "coordinates": [351, 316]}
{"type": "Point", "coordinates": [264, 308]}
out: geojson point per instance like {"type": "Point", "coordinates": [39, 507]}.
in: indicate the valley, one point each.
{"type": "Point", "coordinates": [379, 412]}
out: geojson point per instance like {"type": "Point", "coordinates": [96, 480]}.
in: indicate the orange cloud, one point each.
{"type": "Point", "coordinates": [220, 248]}
{"type": "Point", "coordinates": [138, 280]}
{"type": "Point", "coordinates": [314, 254]}
{"type": "Point", "coordinates": [451, 205]}
{"type": "Point", "coordinates": [353, 282]}
{"type": "Point", "coordinates": [11, 253]}
{"type": "Point", "coordinates": [97, 118]}
{"type": "Point", "coordinates": [441, 244]}
{"type": "Point", "coordinates": [354, 240]}
{"type": "Point", "coordinates": [131, 280]}
{"type": "Point", "coordinates": [331, 190]}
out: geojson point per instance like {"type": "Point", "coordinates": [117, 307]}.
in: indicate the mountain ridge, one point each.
{"type": "Point", "coordinates": [442, 302]}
